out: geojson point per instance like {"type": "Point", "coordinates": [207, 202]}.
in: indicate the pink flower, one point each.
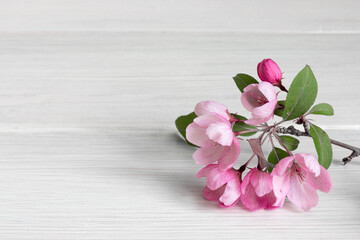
{"type": "Point", "coordinates": [212, 132]}
{"type": "Point", "coordinates": [298, 177]}
{"type": "Point", "coordinates": [269, 71]}
{"type": "Point", "coordinates": [257, 191]}
{"type": "Point", "coordinates": [260, 100]}
{"type": "Point", "coordinates": [221, 186]}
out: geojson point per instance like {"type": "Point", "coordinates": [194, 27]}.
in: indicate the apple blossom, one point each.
{"type": "Point", "coordinates": [260, 100]}
{"type": "Point", "coordinates": [257, 191]}
{"type": "Point", "coordinates": [212, 132]}
{"type": "Point", "coordinates": [221, 186]}
{"type": "Point", "coordinates": [298, 177]}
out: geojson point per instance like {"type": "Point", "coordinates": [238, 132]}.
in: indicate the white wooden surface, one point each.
{"type": "Point", "coordinates": [89, 91]}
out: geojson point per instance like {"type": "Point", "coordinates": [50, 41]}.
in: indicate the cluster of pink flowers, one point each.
{"type": "Point", "coordinates": [297, 177]}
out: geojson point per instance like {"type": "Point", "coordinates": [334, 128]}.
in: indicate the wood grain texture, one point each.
{"type": "Point", "coordinates": [90, 90]}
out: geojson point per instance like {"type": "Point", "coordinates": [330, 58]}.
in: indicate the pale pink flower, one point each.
{"type": "Point", "coordinates": [260, 100]}
{"type": "Point", "coordinates": [269, 71]}
{"type": "Point", "coordinates": [298, 177]}
{"type": "Point", "coordinates": [221, 186]}
{"type": "Point", "coordinates": [257, 191]}
{"type": "Point", "coordinates": [212, 132]}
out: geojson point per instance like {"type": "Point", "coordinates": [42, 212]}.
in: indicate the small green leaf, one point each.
{"type": "Point", "coordinates": [322, 109]}
{"type": "Point", "coordinates": [301, 95]}
{"type": "Point", "coordinates": [274, 158]}
{"type": "Point", "coordinates": [322, 145]}
{"type": "Point", "coordinates": [290, 142]}
{"type": "Point", "coordinates": [280, 111]}
{"type": "Point", "coordinates": [182, 122]}
{"type": "Point", "coordinates": [242, 80]}
{"type": "Point", "coordinates": [241, 126]}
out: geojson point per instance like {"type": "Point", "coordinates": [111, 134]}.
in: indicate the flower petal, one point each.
{"type": "Point", "coordinates": [221, 133]}
{"type": "Point", "coordinates": [302, 194]}
{"type": "Point", "coordinates": [207, 107]}
{"type": "Point", "coordinates": [250, 199]}
{"type": "Point", "coordinates": [197, 135]}
{"type": "Point", "coordinates": [209, 154]}
{"type": "Point", "coordinates": [283, 166]}
{"type": "Point", "coordinates": [205, 171]}
{"type": "Point", "coordinates": [216, 178]}
{"type": "Point", "coordinates": [231, 193]}
{"type": "Point", "coordinates": [230, 155]}
{"type": "Point", "coordinates": [205, 120]}
{"type": "Point", "coordinates": [248, 101]}
{"type": "Point", "coordinates": [265, 110]}
{"type": "Point", "coordinates": [268, 90]}
{"type": "Point", "coordinates": [310, 162]}
{"type": "Point", "coordinates": [323, 181]}
{"type": "Point", "coordinates": [213, 195]}
{"type": "Point", "coordinates": [262, 182]}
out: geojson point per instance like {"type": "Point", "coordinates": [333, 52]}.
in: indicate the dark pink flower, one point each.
{"type": "Point", "coordinates": [212, 132]}
{"type": "Point", "coordinates": [298, 177]}
{"type": "Point", "coordinates": [257, 191]}
{"type": "Point", "coordinates": [260, 99]}
{"type": "Point", "coordinates": [269, 71]}
{"type": "Point", "coordinates": [221, 186]}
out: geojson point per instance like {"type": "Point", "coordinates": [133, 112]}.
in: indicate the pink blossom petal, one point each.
{"type": "Point", "coordinates": [283, 166]}
{"type": "Point", "coordinates": [209, 154]}
{"type": "Point", "coordinates": [265, 110]}
{"type": "Point", "coordinates": [272, 200]}
{"type": "Point", "coordinates": [206, 170]}
{"type": "Point", "coordinates": [207, 107]}
{"type": "Point", "coordinates": [248, 101]}
{"type": "Point", "coordinates": [262, 114]}
{"type": "Point", "coordinates": [230, 156]}
{"type": "Point", "coordinates": [256, 121]}
{"type": "Point", "coordinates": [268, 90]}
{"type": "Point", "coordinates": [231, 193]}
{"type": "Point", "coordinates": [250, 199]}
{"type": "Point", "coordinates": [302, 194]}
{"type": "Point", "coordinates": [246, 181]}
{"type": "Point", "coordinates": [323, 181]}
{"type": "Point", "coordinates": [217, 178]}
{"type": "Point", "coordinates": [310, 162]}
{"type": "Point", "coordinates": [197, 135]}
{"type": "Point", "coordinates": [221, 133]}
{"type": "Point", "coordinates": [281, 186]}
{"type": "Point", "coordinates": [213, 195]}
{"type": "Point", "coordinates": [227, 206]}
{"type": "Point", "coordinates": [205, 120]}
{"type": "Point", "coordinates": [262, 182]}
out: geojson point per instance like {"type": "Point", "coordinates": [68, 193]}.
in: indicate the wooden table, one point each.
{"type": "Point", "coordinates": [89, 91]}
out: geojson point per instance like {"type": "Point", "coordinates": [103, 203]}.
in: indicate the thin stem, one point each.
{"type": "Point", "coordinates": [273, 147]}
{"type": "Point", "coordinates": [293, 131]}
{"type": "Point", "coordinates": [282, 144]}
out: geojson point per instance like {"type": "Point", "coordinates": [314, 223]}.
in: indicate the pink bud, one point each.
{"type": "Point", "coordinates": [269, 71]}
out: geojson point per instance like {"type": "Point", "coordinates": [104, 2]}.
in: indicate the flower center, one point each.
{"type": "Point", "coordinates": [298, 172]}
{"type": "Point", "coordinates": [259, 98]}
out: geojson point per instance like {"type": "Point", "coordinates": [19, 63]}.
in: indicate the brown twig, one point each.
{"type": "Point", "coordinates": [293, 131]}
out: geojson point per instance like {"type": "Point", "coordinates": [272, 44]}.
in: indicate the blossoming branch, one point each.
{"type": "Point", "coordinates": [217, 134]}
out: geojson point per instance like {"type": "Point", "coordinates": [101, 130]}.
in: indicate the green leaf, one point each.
{"type": "Point", "coordinates": [241, 126]}
{"type": "Point", "coordinates": [301, 95]}
{"type": "Point", "coordinates": [280, 111]}
{"type": "Point", "coordinates": [182, 122]}
{"type": "Point", "coordinates": [274, 158]}
{"type": "Point", "coordinates": [322, 109]}
{"type": "Point", "coordinates": [290, 142]}
{"type": "Point", "coordinates": [242, 80]}
{"type": "Point", "coordinates": [322, 145]}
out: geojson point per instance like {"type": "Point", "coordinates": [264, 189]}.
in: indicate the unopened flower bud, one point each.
{"type": "Point", "coordinates": [269, 71]}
